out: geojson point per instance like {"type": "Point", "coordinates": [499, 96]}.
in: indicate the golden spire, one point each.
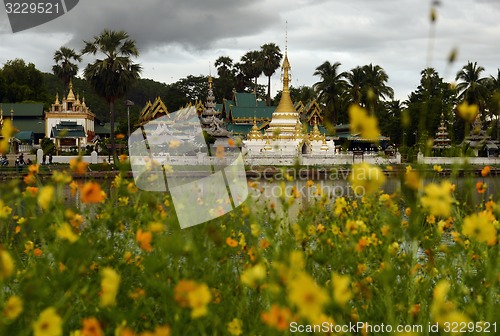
{"type": "Point", "coordinates": [255, 134]}
{"type": "Point", "coordinates": [316, 134]}
{"type": "Point", "coordinates": [286, 104]}
{"type": "Point", "coordinates": [57, 99]}
{"type": "Point", "coordinates": [71, 95]}
{"type": "Point", "coordinates": [1, 115]}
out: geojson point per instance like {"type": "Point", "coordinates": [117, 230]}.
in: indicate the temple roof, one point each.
{"type": "Point", "coordinates": [67, 129]}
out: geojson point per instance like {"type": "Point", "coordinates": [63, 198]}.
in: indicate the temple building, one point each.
{"type": "Point", "coordinates": [285, 134]}
{"type": "Point", "coordinates": [70, 122]}
{"type": "Point", "coordinates": [241, 112]}
{"type": "Point", "coordinates": [441, 140]}
{"type": "Point", "coordinates": [480, 141]}
{"type": "Point", "coordinates": [210, 118]}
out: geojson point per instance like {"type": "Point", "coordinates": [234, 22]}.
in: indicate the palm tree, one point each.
{"type": "Point", "coordinates": [64, 68]}
{"type": "Point", "coordinates": [375, 80]}
{"type": "Point", "coordinates": [271, 60]}
{"type": "Point", "coordinates": [224, 66]}
{"type": "Point", "coordinates": [472, 87]}
{"type": "Point", "coordinates": [355, 84]}
{"type": "Point", "coordinates": [330, 88]}
{"type": "Point", "coordinates": [494, 100]}
{"type": "Point", "coordinates": [227, 77]}
{"type": "Point", "coordinates": [112, 76]}
{"type": "Point", "coordinates": [251, 65]}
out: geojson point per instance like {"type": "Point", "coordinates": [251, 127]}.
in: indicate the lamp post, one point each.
{"type": "Point", "coordinates": [128, 103]}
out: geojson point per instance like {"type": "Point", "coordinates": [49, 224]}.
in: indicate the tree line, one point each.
{"type": "Point", "coordinates": [110, 80]}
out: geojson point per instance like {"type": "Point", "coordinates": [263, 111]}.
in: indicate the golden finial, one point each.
{"type": "Point", "coordinates": [286, 36]}
{"type": "Point", "coordinates": [57, 99]}
{"type": "Point", "coordinates": [71, 95]}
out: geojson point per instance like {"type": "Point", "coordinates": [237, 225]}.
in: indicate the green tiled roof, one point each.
{"type": "Point", "coordinates": [261, 103]}
{"type": "Point", "coordinates": [102, 129]}
{"type": "Point", "coordinates": [239, 129]}
{"type": "Point", "coordinates": [22, 110]}
{"type": "Point", "coordinates": [30, 124]}
{"type": "Point", "coordinates": [250, 112]}
{"type": "Point", "coordinates": [227, 104]}
{"type": "Point", "coordinates": [25, 136]}
{"type": "Point", "coordinates": [68, 129]}
{"type": "Point", "coordinates": [245, 99]}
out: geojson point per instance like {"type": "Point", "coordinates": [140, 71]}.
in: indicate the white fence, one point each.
{"type": "Point", "coordinates": [481, 161]}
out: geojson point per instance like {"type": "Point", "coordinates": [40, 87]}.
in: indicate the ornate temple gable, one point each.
{"type": "Point", "coordinates": [158, 109]}
{"type": "Point", "coordinates": [299, 107]}
{"type": "Point", "coordinates": [311, 111]}
{"type": "Point", "coordinates": [153, 110]}
{"type": "Point", "coordinates": [73, 112]}
{"type": "Point", "coordinates": [143, 116]}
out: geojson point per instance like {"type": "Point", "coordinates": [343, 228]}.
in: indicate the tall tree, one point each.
{"type": "Point", "coordinates": [330, 89]}
{"type": "Point", "coordinates": [355, 84]}
{"type": "Point", "coordinates": [271, 60]}
{"type": "Point", "coordinates": [226, 82]}
{"type": "Point", "coordinates": [432, 98]}
{"type": "Point", "coordinates": [375, 86]}
{"type": "Point", "coordinates": [64, 68]}
{"type": "Point", "coordinates": [251, 65]}
{"type": "Point", "coordinates": [472, 87]}
{"type": "Point", "coordinates": [494, 101]}
{"type": "Point", "coordinates": [21, 82]}
{"type": "Point", "coordinates": [112, 76]}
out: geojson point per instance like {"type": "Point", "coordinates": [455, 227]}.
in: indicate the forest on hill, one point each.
{"type": "Point", "coordinates": [335, 90]}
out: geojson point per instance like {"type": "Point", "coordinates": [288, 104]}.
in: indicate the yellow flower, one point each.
{"type": "Point", "coordinates": [234, 327]}
{"type": "Point", "coordinates": [13, 307]}
{"type": "Point", "coordinates": [253, 275]}
{"type": "Point", "coordinates": [480, 228]}
{"type": "Point", "coordinates": [341, 290]}
{"type": "Point", "coordinates": [437, 200]}
{"type": "Point", "coordinates": [78, 166]}
{"type": "Point", "coordinates": [45, 196]}
{"type": "Point", "coordinates": [110, 283]}
{"type": "Point", "coordinates": [467, 112]}
{"type": "Point", "coordinates": [255, 229]}
{"type": "Point", "coordinates": [443, 310]}
{"type": "Point", "coordinates": [307, 296]}
{"type": "Point", "coordinates": [6, 265]}
{"type": "Point", "coordinates": [65, 232]}
{"type": "Point", "coordinates": [5, 210]}
{"type": "Point", "coordinates": [7, 132]}
{"type": "Point", "coordinates": [48, 323]}
{"type": "Point", "coordinates": [366, 179]}
{"type": "Point", "coordinates": [340, 205]}
{"type": "Point", "coordinates": [362, 123]}
{"type": "Point", "coordinates": [198, 300]}
{"type": "Point", "coordinates": [61, 177]}
{"type": "Point", "coordinates": [437, 168]}
{"type": "Point", "coordinates": [412, 179]}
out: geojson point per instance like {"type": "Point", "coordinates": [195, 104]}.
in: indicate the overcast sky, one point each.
{"type": "Point", "coordinates": [177, 38]}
